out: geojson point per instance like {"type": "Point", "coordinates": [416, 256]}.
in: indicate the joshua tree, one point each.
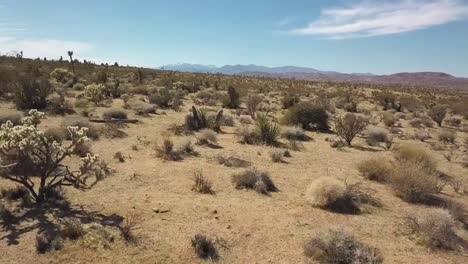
{"type": "Point", "coordinates": [19, 56]}
{"type": "Point", "coordinates": [70, 54]}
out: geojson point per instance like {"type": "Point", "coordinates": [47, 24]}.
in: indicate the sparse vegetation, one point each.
{"type": "Point", "coordinates": [204, 247]}
{"type": "Point", "coordinates": [348, 126]}
{"type": "Point", "coordinates": [254, 179]}
{"type": "Point", "coordinates": [201, 184]}
{"type": "Point", "coordinates": [307, 115]}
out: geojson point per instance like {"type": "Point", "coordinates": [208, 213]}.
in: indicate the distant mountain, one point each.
{"type": "Point", "coordinates": [423, 79]}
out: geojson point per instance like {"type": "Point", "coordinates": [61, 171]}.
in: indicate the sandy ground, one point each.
{"type": "Point", "coordinates": [247, 227]}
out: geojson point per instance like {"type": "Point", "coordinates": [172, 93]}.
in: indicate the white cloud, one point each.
{"type": "Point", "coordinates": [383, 18]}
{"type": "Point", "coordinates": [50, 48]}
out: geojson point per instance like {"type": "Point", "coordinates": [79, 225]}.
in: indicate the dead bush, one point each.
{"type": "Point", "coordinates": [377, 135]}
{"type": "Point", "coordinates": [277, 156]}
{"type": "Point", "coordinates": [437, 113]}
{"type": "Point", "coordinates": [201, 184]}
{"type": "Point", "coordinates": [348, 126]}
{"type": "Point", "coordinates": [388, 119]}
{"type": "Point", "coordinates": [245, 119]}
{"type": "Point", "coordinates": [447, 136]}
{"type": "Point", "coordinates": [376, 169]}
{"type": "Point", "coordinates": [207, 137]}
{"type": "Point", "coordinates": [165, 149]}
{"type": "Point", "coordinates": [435, 229]}
{"type": "Point", "coordinates": [260, 181]}
{"type": "Point", "coordinates": [128, 227]}
{"type": "Point", "coordinates": [204, 247]}
{"type": "Point", "coordinates": [339, 246]}
{"type": "Point", "coordinates": [417, 155]}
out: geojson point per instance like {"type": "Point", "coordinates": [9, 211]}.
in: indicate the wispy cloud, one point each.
{"type": "Point", "coordinates": [376, 18]}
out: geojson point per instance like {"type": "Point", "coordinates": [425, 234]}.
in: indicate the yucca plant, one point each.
{"type": "Point", "coordinates": [267, 131]}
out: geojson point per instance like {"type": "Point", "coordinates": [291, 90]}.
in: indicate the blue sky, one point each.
{"type": "Point", "coordinates": [347, 36]}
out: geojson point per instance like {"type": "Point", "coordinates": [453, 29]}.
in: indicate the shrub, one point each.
{"type": "Point", "coordinates": [295, 133]}
{"type": "Point", "coordinates": [72, 228]}
{"type": "Point", "coordinates": [260, 181]}
{"type": "Point", "coordinates": [57, 134]}
{"type": "Point", "coordinates": [207, 136]}
{"type": "Point", "coordinates": [32, 93]}
{"type": "Point", "coordinates": [338, 246]}
{"type": "Point", "coordinates": [437, 113]}
{"type": "Point", "coordinates": [62, 75]}
{"type": "Point", "coordinates": [435, 229]}
{"type": "Point", "coordinates": [127, 229]}
{"type": "Point", "coordinates": [289, 100]}
{"type": "Point", "coordinates": [42, 243]}
{"type": "Point", "coordinates": [348, 126]}
{"type": "Point", "coordinates": [417, 155]}
{"type": "Point", "coordinates": [166, 98]}
{"type": "Point", "coordinates": [427, 121]}
{"type": "Point", "coordinates": [253, 101]}
{"type": "Point", "coordinates": [58, 105]}
{"type": "Point", "coordinates": [245, 119]}
{"type": "Point", "coordinates": [447, 136]}
{"type": "Point", "coordinates": [78, 87]}
{"type": "Point", "coordinates": [268, 132]}
{"type": "Point", "coordinates": [388, 119]}
{"type": "Point", "coordinates": [81, 122]}
{"type": "Point", "coordinates": [185, 145]}
{"type": "Point", "coordinates": [232, 100]}
{"type": "Point", "coordinates": [165, 149]}
{"type": "Point", "coordinates": [114, 113]}
{"type": "Point", "coordinates": [13, 118]}
{"type": "Point", "coordinates": [414, 183]}
{"type": "Point", "coordinates": [415, 122]}
{"type": "Point", "coordinates": [200, 119]}
{"type": "Point", "coordinates": [141, 108]}
{"type": "Point", "coordinates": [36, 155]}
{"type": "Point", "coordinates": [201, 184]}
{"type": "Point", "coordinates": [209, 96]}
{"type": "Point", "coordinates": [305, 114]}
{"type": "Point", "coordinates": [376, 135]}
{"type": "Point", "coordinates": [227, 120]}
{"type": "Point", "coordinates": [376, 169]}
{"type": "Point", "coordinates": [95, 93]}
{"type": "Point", "coordinates": [204, 247]}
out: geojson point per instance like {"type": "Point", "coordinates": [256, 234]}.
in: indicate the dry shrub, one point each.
{"type": "Point", "coordinates": [337, 196]}
{"type": "Point", "coordinates": [201, 184]}
{"type": "Point", "coordinates": [128, 228]}
{"type": "Point", "coordinates": [307, 115]}
{"type": "Point", "coordinates": [416, 122]}
{"type": "Point", "coordinates": [447, 136]}
{"type": "Point", "coordinates": [437, 113]}
{"type": "Point", "coordinates": [388, 119]}
{"type": "Point", "coordinates": [114, 113]}
{"type": "Point", "coordinates": [185, 145]}
{"type": "Point", "coordinates": [295, 133]}
{"type": "Point", "coordinates": [427, 121]}
{"type": "Point", "coordinates": [277, 156]}
{"type": "Point", "coordinates": [339, 246]}
{"type": "Point", "coordinates": [141, 108]}
{"type": "Point", "coordinates": [207, 137]}
{"type": "Point", "coordinates": [42, 243]}
{"type": "Point", "coordinates": [204, 247]}
{"type": "Point", "coordinates": [230, 161]}
{"type": "Point", "coordinates": [245, 119]}
{"type": "Point", "coordinates": [376, 169]}
{"type": "Point", "coordinates": [348, 126]}
{"type": "Point", "coordinates": [247, 135]}
{"type": "Point", "coordinates": [165, 149]}
{"type": "Point", "coordinates": [376, 135]}
{"type": "Point", "coordinates": [422, 135]}
{"type": "Point", "coordinates": [415, 154]}
{"type": "Point", "coordinates": [252, 102]}
{"type": "Point", "coordinates": [260, 181]}
{"type": "Point", "coordinates": [72, 228]}
{"type": "Point", "coordinates": [227, 120]}
{"type": "Point", "coordinates": [414, 182]}
{"type": "Point", "coordinates": [435, 229]}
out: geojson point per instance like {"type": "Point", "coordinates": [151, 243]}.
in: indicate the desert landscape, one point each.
{"type": "Point", "coordinates": [192, 167]}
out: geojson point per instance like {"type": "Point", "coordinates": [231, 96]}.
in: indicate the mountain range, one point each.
{"type": "Point", "coordinates": [418, 79]}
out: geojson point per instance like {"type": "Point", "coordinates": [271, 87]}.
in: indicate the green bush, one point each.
{"type": "Point", "coordinates": [268, 132]}
{"type": "Point", "coordinates": [306, 114]}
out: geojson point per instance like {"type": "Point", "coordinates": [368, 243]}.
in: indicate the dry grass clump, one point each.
{"type": "Point", "coordinates": [185, 145]}
{"type": "Point", "coordinates": [260, 181]}
{"type": "Point", "coordinates": [435, 229]}
{"type": "Point", "coordinates": [422, 135]}
{"type": "Point", "coordinates": [245, 119]}
{"type": "Point", "coordinates": [277, 156]}
{"type": "Point", "coordinates": [230, 161]}
{"type": "Point", "coordinates": [141, 108]}
{"type": "Point", "coordinates": [207, 137]}
{"type": "Point", "coordinates": [246, 135]}
{"type": "Point", "coordinates": [114, 113]}
{"type": "Point", "coordinates": [339, 246]}
{"type": "Point", "coordinates": [447, 136]}
{"type": "Point", "coordinates": [201, 184]}
{"type": "Point", "coordinates": [337, 196]}
{"type": "Point", "coordinates": [376, 135]}
{"type": "Point", "coordinates": [128, 227]}
{"type": "Point", "coordinates": [72, 228]}
{"type": "Point", "coordinates": [415, 154]}
{"type": "Point", "coordinates": [388, 119]}
{"type": "Point", "coordinates": [204, 247]}
{"type": "Point", "coordinates": [414, 182]}
{"type": "Point", "coordinates": [46, 242]}
{"type": "Point", "coordinates": [295, 133]}
{"type": "Point", "coordinates": [376, 169]}
{"type": "Point", "coordinates": [165, 149]}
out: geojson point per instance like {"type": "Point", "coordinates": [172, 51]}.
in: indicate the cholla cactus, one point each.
{"type": "Point", "coordinates": [95, 92]}
{"type": "Point", "coordinates": [61, 75]}
{"type": "Point", "coordinates": [44, 156]}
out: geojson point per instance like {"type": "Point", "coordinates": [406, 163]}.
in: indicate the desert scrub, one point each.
{"type": "Point", "coordinates": [61, 75]}
{"type": "Point", "coordinates": [207, 137]}
{"type": "Point", "coordinates": [232, 100]}
{"type": "Point", "coordinates": [13, 118]}
{"type": "Point", "coordinates": [377, 135]}
{"type": "Point", "coordinates": [435, 229]}
{"type": "Point", "coordinates": [231, 161]}
{"type": "Point", "coordinates": [166, 98]}
{"type": "Point", "coordinates": [32, 93]}
{"type": "Point", "coordinates": [421, 135]}
{"type": "Point", "coordinates": [288, 100]}
{"type": "Point", "coordinates": [337, 196]}
{"type": "Point", "coordinates": [388, 119]}
{"type": "Point", "coordinates": [260, 181]}
{"type": "Point", "coordinates": [81, 122]}
{"type": "Point", "coordinates": [339, 246]}
{"type": "Point", "coordinates": [252, 102]}
{"type": "Point", "coordinates": [414, 154]}
{"type": "Point", "coordinates": [201, 119]}
{"type": "Point", "coordinates": [348, 126]}
{"type": "Point", "coordinates": [201, 184]}
{"type": "Point", "coordinates": [376, 169]}
{"type": "Point", "coordinates": [165, 149]}
{"type": "Point", "coordinates": [447, 136]}
{"type": "Point", "coordinates": [277, 156]}
{"type": "Point", "coordinates": [295, 133]}
{"type": "Point", "coordinates": [307, 115]}
{"type": "Point", "coordinates": [246, 135]}
{"type": "Point", "coordinates": [437, 113]}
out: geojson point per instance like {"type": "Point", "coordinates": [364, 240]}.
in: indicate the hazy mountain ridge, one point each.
{"type": "Point", "coordinates": [424, 79]}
